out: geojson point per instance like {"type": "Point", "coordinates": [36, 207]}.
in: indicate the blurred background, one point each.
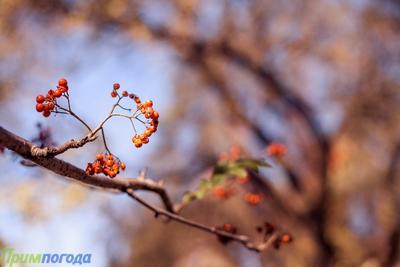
{"type": "Point", "coordinates": [321, 77]}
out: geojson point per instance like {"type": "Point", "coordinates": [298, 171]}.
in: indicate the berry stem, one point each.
{"type": "Point", "coordinates": [70, 112]}
{"type": "Point", "coordinates": [124, 108]}
{"type": "Point", "coordinates": [104, 141]}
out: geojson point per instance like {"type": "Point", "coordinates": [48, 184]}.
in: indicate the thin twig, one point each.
{"type": "Point", "coordinates": [243, 239]}
{"type": "Point", "coordinates": [104, 141]}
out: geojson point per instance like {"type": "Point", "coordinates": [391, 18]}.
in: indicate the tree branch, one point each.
{"type": "Point", "coordinates": [27, 150]}
{"type": "Point", "coordinates": [24, 148]}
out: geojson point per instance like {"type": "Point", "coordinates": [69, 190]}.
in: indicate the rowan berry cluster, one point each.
{"type": "Point", "coordinates": [146, 108]}
{"type": "Point", "coordinates": [106, 164]}
{"type": "Point", "coordinates": [46, 104]}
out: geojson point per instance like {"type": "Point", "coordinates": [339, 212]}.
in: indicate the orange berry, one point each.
{"type": "Point", "coordinates": [46, 113]}
{"type": "Point", "coordinates": [113, 94]}
{"type": "Point", "coordinates": [62, 82]}
{"type": "Point", "coordinates": [276, 150]}
{"type": "Point", "coordinates": [106, 171]}
{"type": "Point", "coordinates": [57, 93]}
{"type": "Point", "coordinates": [116, 86]}
{"type": "Point", "coordinates": [138, 143]}
{"type": "Point", "coordinates": [50, 93]}
{"type": "Point", "coordinates": [147, 133]}
{"type": "Point", "coordinates": [221, 192]}
{"type": "Point", "coordinates": [155, 115]}
{"type": "Point", "coordinates": [98, 169]}
{"type": "Point", "coordinates": [39, 107]}
{"type": "Point", "coordinates": [115, 166]}
{"type": "Point", "coordinates": [286, 238]}
{"type": "Point", "coordinates": [40, 99]}
{"type": "Point", "coordinates": [50, 106]}
{"type": "Point", "coordinates": [152, 129]}
{"type": "Point", "coordinates": [148, 103]}
{"type": "Point", "coordinates": [62, 89]}
{"type": "Point", "coordinates": [253, 199]}
{"type": "Point", "coordinates": [145, 140]}
{"type": "Point", "coordinates": [124, 93]}
{"type": "Point", "coordinates": [137, 99]}
{"type": "Point", "coordinates": [99, 156]}
{"type": "Point", "coordinates": [123, 166]}
{"type": "Point", "coordinates": [90, 171]}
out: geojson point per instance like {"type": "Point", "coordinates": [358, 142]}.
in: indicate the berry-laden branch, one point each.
{"type": "Point", "coordinates": [110, 165]}
{"type": "Point", "coordinates": [107, 164]}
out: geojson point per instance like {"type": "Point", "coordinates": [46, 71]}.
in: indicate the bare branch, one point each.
{"type": "Point", "coordinates": [243, 239]}
{"type": "Point", "coordinates": [52, 151]}
{"type": "Point", "coordinates": [24, 148]}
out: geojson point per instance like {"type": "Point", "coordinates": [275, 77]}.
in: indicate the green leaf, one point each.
{"type": "Point", "coordinates": [252, 164]}
{"type": "Point", "coordinates": [238, 171]}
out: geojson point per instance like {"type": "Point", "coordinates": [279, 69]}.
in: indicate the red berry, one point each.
{"type": "Point", "coordinates": [152, 129]}
{"type": "Point", "coordinates": [39, 107]}
{"type": "Point", "coordinates": [50, 93]}
{"type": "Point", "coordinates": [147, 133]}
{"type": "Point", "coordinates": [276, 150]}
{"type": "Point", "coordinates": [50, 106]}
{"type": "Point", "coordinates": [62, 89]}
{"type": "Point", "coordinates": [114, 94]}
{"type": "Point", "coordinates": [123, 166]}
{"type": "Point", "coordinates": [57, 93]}
{"type": "Point", "coordinates": [155, 115]}
{"type": "Point", "coordinates": [131, 96]}
{"type": "Point", "coordinates": [116, 86]}
{"type": "Point", "coordinates": [125, 93]}
{"type": "Point", "coordinates": [40, 99]}
{"type": "Point", "coordinates": [286, 238]}
{"type": "Point", "coordinates": [148, 103]}
{"type": "Point", "coordinates": [62, 82]}
{"type": "Point", "coordinates": [46, 113]}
